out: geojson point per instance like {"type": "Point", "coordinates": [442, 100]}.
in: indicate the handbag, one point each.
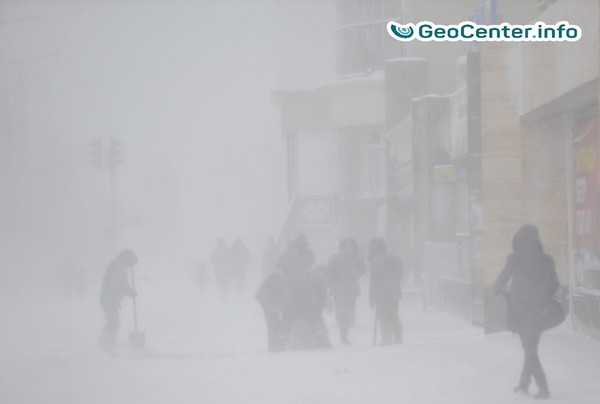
{"type": "Point", "coordinates": [552, 314]}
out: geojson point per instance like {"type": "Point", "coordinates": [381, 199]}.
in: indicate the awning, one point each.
{"type": "Point", "coordinates": [346, 103]}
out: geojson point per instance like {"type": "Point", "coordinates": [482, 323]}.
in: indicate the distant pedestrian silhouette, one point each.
{"type": "Point", "coordinates": [115, 286]}
{"type": "Point", "coordinates": [385, 290]}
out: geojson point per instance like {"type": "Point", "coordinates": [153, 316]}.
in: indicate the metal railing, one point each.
{"type": "Point", "coordinates": [316, 209]}
{"type": "Point", "coordinates": [307, 210]}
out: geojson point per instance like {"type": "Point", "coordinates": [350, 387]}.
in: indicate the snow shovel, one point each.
{"type": "Point", "coordinates": [137, 339]}
{"type": "Point", "coordinates": [375, 327]}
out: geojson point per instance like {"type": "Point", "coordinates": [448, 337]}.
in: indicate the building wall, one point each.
{"type": "Point", "coordinates": [502, 171]}
{"type": "Point", "coordinates": [545, 193]}
{"type": "Point", "coordinates": [525, 140]}
{"type": "Point", "coordinates": [442, 55]}
{"type": "Point", "coordinates": [551, 69]}
{"type": "Point", "coordinates": [363, 44]}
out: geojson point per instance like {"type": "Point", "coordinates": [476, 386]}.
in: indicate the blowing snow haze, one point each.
{"type": "Point", "coordinates": [275, 201]}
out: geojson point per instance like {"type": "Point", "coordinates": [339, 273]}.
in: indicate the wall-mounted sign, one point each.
{"type": "Point", "coordinates": [444, 173]}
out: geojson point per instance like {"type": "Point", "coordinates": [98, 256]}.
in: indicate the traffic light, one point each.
{"type": "Point", "coordinates": [105, 152]}
{"type": "Point", "coordinates": [114, 152]}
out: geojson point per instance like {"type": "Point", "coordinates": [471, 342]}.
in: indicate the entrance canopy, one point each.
{"type": "Point", "coordinates": [347, 103]}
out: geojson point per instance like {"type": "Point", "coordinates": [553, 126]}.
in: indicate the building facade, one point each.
{"type": "Point", "coordinates": [539, 147]}
{"type": "Point", "coordinates": [476, 140]}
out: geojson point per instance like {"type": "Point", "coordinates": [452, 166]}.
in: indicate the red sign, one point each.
{"type": "Point", "coordinates": [586, 201]}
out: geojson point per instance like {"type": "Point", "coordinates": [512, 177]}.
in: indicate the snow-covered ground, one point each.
{"type": "Point", "coordinates": [202, 351]}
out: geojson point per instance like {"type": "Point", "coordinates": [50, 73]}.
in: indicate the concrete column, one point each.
{"type": "Point", "coordinates": [502, 171]}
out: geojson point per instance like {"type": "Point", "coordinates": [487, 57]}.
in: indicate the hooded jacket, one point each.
{"type": "Point", "coordinates": [533, 281]}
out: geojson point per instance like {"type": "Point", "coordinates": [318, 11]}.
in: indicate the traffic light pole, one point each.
{"type": "Point", "coordinates": [106, 155]}
{"type": "Point", "coordinates": [113, 206]}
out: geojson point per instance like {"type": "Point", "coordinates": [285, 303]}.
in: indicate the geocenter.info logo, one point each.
{"type": "Point", "coordinates": [469, 31]}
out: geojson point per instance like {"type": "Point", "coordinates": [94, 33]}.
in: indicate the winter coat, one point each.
{"type": "Point", "coordinates": [115, 286]}
{"type": "Point", "coordinates": [308, 292]}
{"type": "Point", "coordinates": [386, 278]}
{"type": "Point", "coordinates": [344, 272]}
{"type": "Point", "coordinates": [294, 261]}
{"type": "Point", "coordinates": [534, 283]}
{"type": "Point", "coordinates": [272, 292]}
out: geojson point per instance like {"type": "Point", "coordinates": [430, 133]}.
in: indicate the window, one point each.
{"type": "Point", "coordinates": [391, 9]}
{"type": "Point", "coordinates": [368, 10]}
{"type": "Point", "coordinates": [362, 50]}
{"type": "Point", "coordinates": [363, 43]}
{"type": "Point", "coordinates": [345, 12]}
{"type": "Point", "coordinates": [377, 10]}
{"type": "Point", "coordinates": [346, 41]}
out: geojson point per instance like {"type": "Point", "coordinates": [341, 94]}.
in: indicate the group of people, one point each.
{"type": "Point", "coordinates": [230, 264]}
{"type": "Point", "coordinates": [294, 296]}
{"type": "Point", "coordinates": [297, 293]}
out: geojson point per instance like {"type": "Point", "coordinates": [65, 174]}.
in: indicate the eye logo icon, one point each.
{"type": "Point", "coordinates": [401, 32]}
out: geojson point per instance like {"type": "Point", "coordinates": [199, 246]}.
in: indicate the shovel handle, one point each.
{"type": "Point", "coordinates": [375, 326]}
{"type": "Point", "coordinates": [135, 324]}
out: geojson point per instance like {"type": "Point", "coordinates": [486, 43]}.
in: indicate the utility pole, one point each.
{"type": "Point", "coordinates": [105, 152]}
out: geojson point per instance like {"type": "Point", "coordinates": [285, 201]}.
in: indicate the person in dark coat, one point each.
{"type": "Point", "coordinates": [220, 258]}
{"type": "Point", "coordinates": [385, 290]}
{"type": "Point", "coordinates": [297, 257]}
{"type": "Point", "coordinates": [271, 295]}
{"type": "Point", "coordinates": [534, 282]}
{"type": "Point", "coordinates": [344, 270]}
{"type": "Point", "coordinates": [307, 257]}
{"type": "Point", "coordinates": [115, 286]}
{"type": "Point", "coordinates": [306, 298]}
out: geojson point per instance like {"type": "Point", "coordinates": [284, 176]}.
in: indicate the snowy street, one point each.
{"type": "Point", "coordinates": [299, 202]}
{"type": "Point", "coordinates": [195, 356]}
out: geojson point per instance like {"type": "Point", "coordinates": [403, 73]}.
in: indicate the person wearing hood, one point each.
{"type": "Point", "coordinates": [271, 295]}
{"type": "Point", "coordinates": [344, 270]}
{"type": "Point", "coordinates": [307, 294]}
{"type": "Point", "coordinates": [115, 286]}
{"type": "Point", "coordinates": [385, 290]}
{"type": "Point", "coordinates": [297, 257]}
{"type": "Point", "coordinates": [533, 283]}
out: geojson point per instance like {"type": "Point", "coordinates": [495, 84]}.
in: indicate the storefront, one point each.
{"type": "Point", "coordinates": [585, 225]}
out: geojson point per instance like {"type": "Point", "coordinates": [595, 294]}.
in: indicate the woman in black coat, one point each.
{"type": "Point", "coordinates": [534, 283]}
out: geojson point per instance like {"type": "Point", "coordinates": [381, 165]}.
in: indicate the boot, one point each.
{"type": "Point", "coordinates": [398, 337]}
{"type": "Point", "coordinates": [543, 394]}
{"type": "Point", "coordinates": [344, 336]}
{"type": "Point", "coordinates": [521, 390]}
